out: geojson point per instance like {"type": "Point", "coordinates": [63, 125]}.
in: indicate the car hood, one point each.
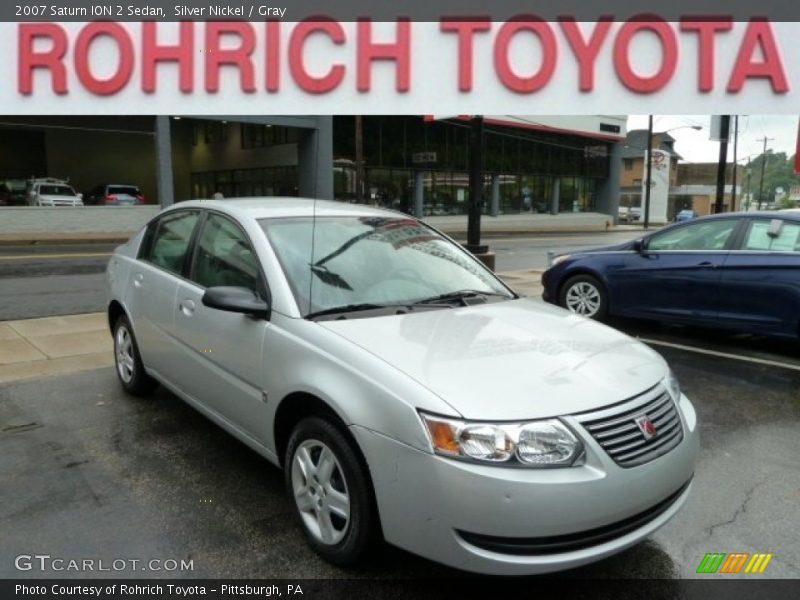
{"type": "Point", "coordinates": [518, 359]}
{"type": "Point", "coordinates": [614, 248]}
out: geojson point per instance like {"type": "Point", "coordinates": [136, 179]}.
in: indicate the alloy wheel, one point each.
{"type": "Point", "coordinates": [123, 350]}
{"type": "Point", "coordinates": [583, 298]}
{"type": "Point", "coordinates": [320, 492]}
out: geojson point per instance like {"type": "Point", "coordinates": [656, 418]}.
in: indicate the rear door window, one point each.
{"type": "Point", "coordinates": [761, 236]}
{"type": "Point", "coordinates": [170, 240]}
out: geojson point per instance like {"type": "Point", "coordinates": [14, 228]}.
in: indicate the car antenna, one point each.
{"type": "Point", "coordinates": [313, 221]}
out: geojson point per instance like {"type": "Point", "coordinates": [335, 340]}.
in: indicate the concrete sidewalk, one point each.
{"type": "Point", "coordinates": [34, 348]}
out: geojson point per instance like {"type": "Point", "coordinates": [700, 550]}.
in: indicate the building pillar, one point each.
{"type": "Point", "coordinates": [608, 191]}
{"type": "Point", "coordinates": [555, 198]}
{"type": "Point", "coordinates": [495, 207]}
{"type": "Point", "coordinates": [165, 186]}
{"type": "Point", "coordinates": [315, 160]}
{"type": "Point", "coordinates": [419, 194]}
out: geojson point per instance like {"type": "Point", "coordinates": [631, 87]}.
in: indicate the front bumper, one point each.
{"type": "Point", "coordinates": [548, 287]}
{"type": "Point", "coordinates": [461, 514]}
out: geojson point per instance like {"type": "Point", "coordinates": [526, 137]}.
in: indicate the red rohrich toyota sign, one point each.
{"type": "Point", "coordinates": [453, 64]}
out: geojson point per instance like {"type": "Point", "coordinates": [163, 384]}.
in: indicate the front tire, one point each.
{"type": "Point", "coordinates": [128, 362]}
{"type": "Point", "coordinates": [584, 295]}
{"type": "Point", "coordinates": [330, 492]}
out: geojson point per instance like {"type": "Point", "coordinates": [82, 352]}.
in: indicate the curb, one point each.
{"type": "Point", "coordinates": [33, 239]}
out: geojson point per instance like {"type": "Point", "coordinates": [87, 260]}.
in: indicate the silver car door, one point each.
{"type": "Point", "coordinates": [153, 286]}
{"type": "Point", "coordinates": [222, 366]}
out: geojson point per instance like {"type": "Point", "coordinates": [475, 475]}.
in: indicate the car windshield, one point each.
{"type": "Point", "coordinates": [56, 190]}
{"type": "Point", "coordinates": [373, 261]}
{"type": "Point", "coordinates": [123, 190]}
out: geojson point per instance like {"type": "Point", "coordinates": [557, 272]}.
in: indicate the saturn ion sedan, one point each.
{"type": "Point", "coordinates": [405, 391]}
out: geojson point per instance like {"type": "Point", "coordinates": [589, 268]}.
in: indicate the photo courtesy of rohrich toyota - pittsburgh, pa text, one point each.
{"type": "Point", "coordinates": [414, 300]}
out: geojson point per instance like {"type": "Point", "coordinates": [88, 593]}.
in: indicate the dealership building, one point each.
{"type": "Point", "coordinates": [417, 164]}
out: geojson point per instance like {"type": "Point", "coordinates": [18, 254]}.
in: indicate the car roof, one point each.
{"type": "Point", "coordinates": [760, 214]}
{"type": "Point", "coordinates": [281, 207]}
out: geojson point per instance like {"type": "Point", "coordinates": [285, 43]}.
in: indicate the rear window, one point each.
{"type": "Point", "coordinates": [126, 190]}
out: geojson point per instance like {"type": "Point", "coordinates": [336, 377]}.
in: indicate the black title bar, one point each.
{"type": "Point", "coordinates": [378, 10]}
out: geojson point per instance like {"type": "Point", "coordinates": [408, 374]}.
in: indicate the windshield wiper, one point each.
{"type": "Point", "coordinates": [346, 309]}
{"type": "Point", "coordinates": [461, 295]}
{"type": "Point", "coordinates": [364, 306]}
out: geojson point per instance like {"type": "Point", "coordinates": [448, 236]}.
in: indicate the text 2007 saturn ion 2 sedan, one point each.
{"type": "Point", "coordinates": [407, 393]}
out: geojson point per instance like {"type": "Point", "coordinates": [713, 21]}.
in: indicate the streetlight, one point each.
{"type": "Point", "coordinates": [648, 183]}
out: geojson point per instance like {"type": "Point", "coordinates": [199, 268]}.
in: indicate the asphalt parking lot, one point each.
{"type": "Point", "coordinates": [90, 472]}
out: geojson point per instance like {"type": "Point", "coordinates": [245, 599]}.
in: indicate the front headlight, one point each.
{"type": "Point", "coordinates": [547, 443]}
{"type": "Point", "coordinates": [672, 385]}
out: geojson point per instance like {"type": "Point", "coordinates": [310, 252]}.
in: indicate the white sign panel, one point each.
{"type": "Point", "coordinates": [401, 67]}
{"type": "Point", "coordinates": [715, 131]}
{"type": "Point", "coordinates": [659, 186]}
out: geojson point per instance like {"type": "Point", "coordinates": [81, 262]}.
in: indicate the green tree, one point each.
{"type": "Point", "coordinates": [778, 173]}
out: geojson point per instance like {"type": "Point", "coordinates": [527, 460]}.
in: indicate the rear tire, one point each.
{"type": "Point", "coordinates": [330, 492]}
{"type": "Point", "coordinates": [128, 362]}
{"type": "Point", "coordinates": [584, 295]}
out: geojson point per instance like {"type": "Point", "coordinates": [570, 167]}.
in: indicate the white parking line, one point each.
{"type": "Point", "coordinates": [760, 361]}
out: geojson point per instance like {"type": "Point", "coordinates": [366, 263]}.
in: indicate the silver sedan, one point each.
{"type": "Point", "coordinates": [407, 393]}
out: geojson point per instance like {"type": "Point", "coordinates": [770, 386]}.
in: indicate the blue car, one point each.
{"type": "Point", "coordinates": [685, 215]}
{"type": "Point", "coordinates": [736, 271]}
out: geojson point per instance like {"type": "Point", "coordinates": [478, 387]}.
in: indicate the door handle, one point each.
{"type": "Point", "coordinates": [137, 281]}
{"type": "Point", "coordinates": [187, 307]}
{"type": "Point", "coordinates": [707, 265]}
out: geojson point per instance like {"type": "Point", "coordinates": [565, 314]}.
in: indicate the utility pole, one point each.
{"type": "Point", "coordinates": [735, 164]}
{"type": "Point", "coordinates": [724, 134]}
{"type": "Point", "coordinates": [476, 176]}
{"type": "Point", "coordinates": [649, 176]}
{"type": "Point", "coordinates": [763, 167]}
{"type": "Point", "coordinates": [359, 159]}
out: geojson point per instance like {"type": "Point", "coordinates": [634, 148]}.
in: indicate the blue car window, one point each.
{"type": "Point", "coordinates": [758, 237]}
{"type": "Point", "coordinates": [704, 235]}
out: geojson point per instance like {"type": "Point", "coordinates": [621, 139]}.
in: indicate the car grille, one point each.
{"type": "Point", "coordinates": [617, 431]}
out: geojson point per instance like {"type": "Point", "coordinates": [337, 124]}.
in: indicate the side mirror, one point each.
{"type": "Point", "coordinates": [638, 245]}
{"type": "Point", "coordinates": [238, 300]}
{"type": "Point", "coordinates": [80, 195]}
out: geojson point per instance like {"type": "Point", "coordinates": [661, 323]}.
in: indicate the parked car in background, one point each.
{"type": "Point", "coordinates": [13, 192]}
{"type": "Point", "coordinates": [630, 214]}
{"type": "Point", "coordinates": [114, 194]}
{"type": "Point", "coordinates": [736, 271]}
{"type": "Point", "coordinates": [403, 388]}
{"type": "Point", "coordinates": [686, 215]}
{"type": "Point", "coordinates": [52, 192]}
